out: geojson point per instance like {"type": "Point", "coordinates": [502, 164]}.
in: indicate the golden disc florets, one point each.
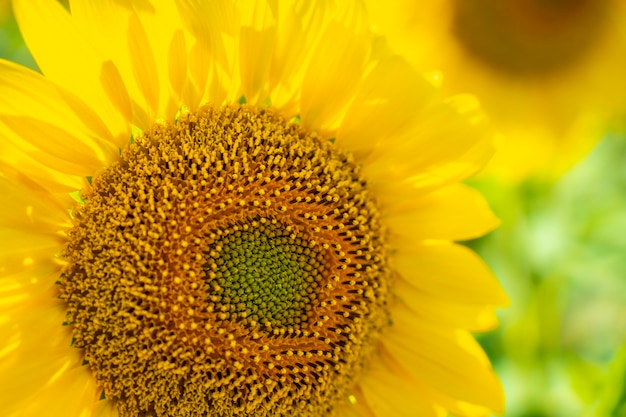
{"type": "Point", "coordinates": [230, 264]}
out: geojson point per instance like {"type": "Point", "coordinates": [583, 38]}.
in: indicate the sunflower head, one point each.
{"type": "Point", "coordinates": [224, 209]}
{"type": "Point", "coordinates": [548, 73]}
{"type": "Point", "coordinates": [232, 256]}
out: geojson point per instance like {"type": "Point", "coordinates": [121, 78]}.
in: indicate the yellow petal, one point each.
{"type": "Point", "coordinates": [449, 272]}
{"type": "Point", "coordinates": [17, 165]}
{"type": "Point", "coordinates": [55, 144]}
{"type": "Point", "coordinates": [214, 28]}
{"type": "Point", "coordinates": [330, 81]}
{"type": "Point", "coordinates": [28, 206]}
{"type": "Point", "coordinates": [353, 405]}
{"type": "Point", "coordinates": [41, 357]}
{"type": "Point", "coordinates": [38, 114]}
{"type": "Point", "coordinates": [73, 63]}
{"type": "Point", "coordinates": [257, 38]}
{"type": "Point", "coordinates": [447, 143]}
{"type": "Point", "coordinates": [387, 102]}
{"type": "Point", "coordinates": [177, 64]}
{"type": "Point", "coordinates": [115, 90]}
{"type": "Point", "coordinates": [20, 249]}
{"type": "Point", "coordinates": [458, 315]}
{"type": "Point", "coordinates": [299, 26]}
{"type": "Point", "coordinates": [28, 286]}
{"type": "Point", "coordinates": [106, 24]}
{"type": "Point", "coordinates": [456, 212]}
{"type": "Point", "coordinates": [71, 395]}
{"type": "Point", "coordinates": [166, 39]}
{"type": "Point", "coordinates": [144, 65]}
{"type": "Point", "coordinates": [388, 394]}
{"type": "Point", "coordinates": [105, 408]}
{"type": "Point", "coordinates": [443, 359]}
{"type": "Point", "coordinates": [152, 63]}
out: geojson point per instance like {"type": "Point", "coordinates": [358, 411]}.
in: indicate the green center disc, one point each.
{"type": "Point", "coordinates": [266, 274]}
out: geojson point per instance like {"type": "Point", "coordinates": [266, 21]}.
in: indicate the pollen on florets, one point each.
{"type": "Point", "coordinates": [230, 264]}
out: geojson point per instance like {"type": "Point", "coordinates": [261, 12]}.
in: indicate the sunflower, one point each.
{"type": "Point", "coordinates": [221, 209]}
{"type": "Point", "coordinates": [549, 73]}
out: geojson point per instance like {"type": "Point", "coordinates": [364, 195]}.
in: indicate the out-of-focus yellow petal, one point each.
{"type": "Point", "coordinates": [548, 74]}
{"type": "Point", "coordinates": [177, 65]}
{"type": "Point", "coordinates": [213, 27]}
{"type": "Point", "coordinates": [106, 25]}
{"type": "Point", "coordinates": [23, 168]}
{"type": "Point", "coordinates": [299, 27]}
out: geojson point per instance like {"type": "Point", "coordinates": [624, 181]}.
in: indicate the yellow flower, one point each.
{"type": "Point", "coordinates": [265, 223]}
{"type": "Point", "coordinates": [549, 73]}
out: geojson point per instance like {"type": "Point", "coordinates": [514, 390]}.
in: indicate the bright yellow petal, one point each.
{"type": "Point", "coordinates": [167, 42]}
{"type": "Point", "coordinates": [456, 212]}
{"type": "Point", "coordinates": [257, 38]}
{"type": "Point", "coordinates": [73, 63]}
{"type": "Point", "coordinates": [388, 394]}
{"type": "Point", "coordinates": [458, 315]}
{"type": "Point", "coordinates": [31, 283]}
{"type": "Point", "coordinates": [105, 24]}
{"type": "Point", "coordinates": [36, 114]}
{"type": "Point", "coordinates": [19, 249]}
{"type": "Point", "coordinates": [340, 54]}
{"type": "Point", "coordinates": [42, 356]}
{"type": "Point", "coordinates": [295, 41]}
{"type": "Point", "coordinates": [549, 75]}
{"type": "Point", "coordinates": [446, 143]}
{"type": "Point", "coordinates": [17, 165]}
{"type": "Point", "coordinates": [28, 206]}
{"type": "Point", "coordinates": [382, 108]}
{"type": "Point", "coordinates": [149, 60]}
{"type": "Point", "coordinates": [73, 394]}
{"type": "Point", "coordinates": [105, 408]}
{"type": "Point", "coordinates": [447, 360]}
{"type": "Point", "coordinates": [177, 64]}
{"type": "Point", "coordinates": [449, 272]}
{"type": "Point", "coordinates": [144, 66]}
{"type": "Point", "coordinates": [213, 27]}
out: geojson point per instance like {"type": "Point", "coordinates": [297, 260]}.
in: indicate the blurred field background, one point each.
{"type": "Point", "coordinates": [561, 255]}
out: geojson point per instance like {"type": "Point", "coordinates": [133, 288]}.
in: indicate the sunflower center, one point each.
{"type": "Point", "coordinates": [230, 264]}
{"type": "Point", "coordinates": [266, 274]}
{"type": "Point", "coordinates": [529, 37]}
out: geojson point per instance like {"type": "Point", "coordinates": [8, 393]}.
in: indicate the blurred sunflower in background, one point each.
{"type": "Point", "coordinates": [548, 72]}
{"type": "Point", "coordinates": [550, 75]}
{"type": "Point", "coordinates": [216, 209]}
